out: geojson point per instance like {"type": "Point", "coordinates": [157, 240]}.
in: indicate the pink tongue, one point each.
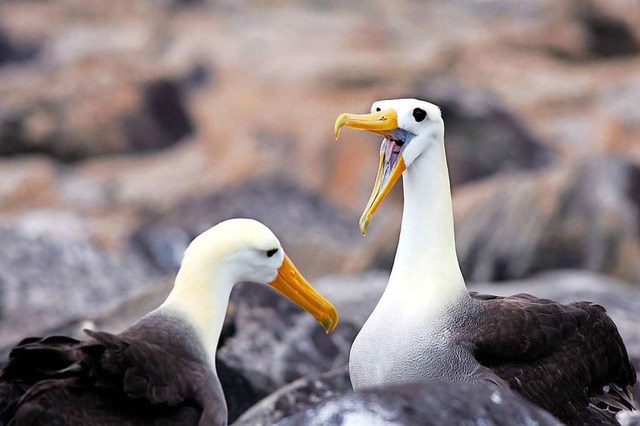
{"type": "Point", "coordinates": [391, 152]}
{"type": "Point", "coordinates": [388, 150]}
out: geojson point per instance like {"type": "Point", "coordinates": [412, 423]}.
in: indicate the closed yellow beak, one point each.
{"type": "Point", "coordinates": [296, 288]}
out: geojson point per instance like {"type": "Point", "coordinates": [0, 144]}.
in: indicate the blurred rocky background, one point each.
{"type": "Point", "coordinates": [127, 127]}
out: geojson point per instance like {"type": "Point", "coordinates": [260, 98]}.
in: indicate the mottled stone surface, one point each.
{"type": "Point", "coordinates": [275, 342]}
{"type": "Point", "coordinates": [430, 404]}
{"type": "Point", "coordinates": [297, 397]}
{"type": "Point", "coordinates": [50, 277]}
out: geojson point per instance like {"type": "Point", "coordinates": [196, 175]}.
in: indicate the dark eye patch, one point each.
{"type": "Point", "coordinates": [271, 252]}
{"type": "Point", "coordinates": [419, 114]}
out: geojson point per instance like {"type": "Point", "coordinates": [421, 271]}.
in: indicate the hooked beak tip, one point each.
{"type": "Point", "coordinates": [364, 224]}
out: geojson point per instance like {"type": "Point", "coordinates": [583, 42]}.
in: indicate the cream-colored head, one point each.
{"type": "Point", "coordinates": [409, 127]}
{"type": "Point", "coordinates": [245, 249]}
{"type": "Point", "coordinates": [239, 250]}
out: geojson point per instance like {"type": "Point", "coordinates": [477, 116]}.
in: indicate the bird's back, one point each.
{"type": "Point", "coordinates": [568, 359]}
{"type": "Point", "coordinates": [153, 373]}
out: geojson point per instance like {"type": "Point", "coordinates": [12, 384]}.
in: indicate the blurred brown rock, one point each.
{"type": "Point", "coordinates": [69, 115]}
{"type": "Point", "coordinates": [583, 215]}
{"type": "Point", "coordinates": [120, 77]}
{"type": "Point", "coordinates": [483, 136]}
{"type": "Point", "coordinates": [27, 183]}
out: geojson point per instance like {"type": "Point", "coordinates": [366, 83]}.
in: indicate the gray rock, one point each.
{"type": "Point", "coordinates": [296, 397]}
{"type": "Point", "coordinates": [607, 36]}
{"type": "Point", "coordinates": [430, 404]}
{"type": "Point", "coordinates": [52, 278]}
{"type": "Point", "coordinates": [239, 393]}
{"type": "Point", "coordinates": [12, 51]}
{"type": "Point", "coordinates": [274, 342]}
{"type": "Point", "coordinates": [628, 418]}
{"type": "Point", "coordinates": [317, 235]}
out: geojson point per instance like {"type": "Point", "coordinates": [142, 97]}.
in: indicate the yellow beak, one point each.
{"type": "Point", "coordinates": [381, 122]}
{"type": "Point", "coordinates": [296, 288]}
{"type": "Point", "coordinates": [389, 170]}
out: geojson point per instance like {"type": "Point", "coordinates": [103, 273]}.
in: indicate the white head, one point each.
{"type": "Point", "coordinates": [418, 126]}
{"type": "Point", "coordinates": [409, 127]}
{"type": "Point", "coordinates": [239, 250]}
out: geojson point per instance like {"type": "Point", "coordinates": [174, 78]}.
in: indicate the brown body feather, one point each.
{"type": "Point", "coordinates": [568, 359]}
{"type": "Point", "coordinates": [154, 373]}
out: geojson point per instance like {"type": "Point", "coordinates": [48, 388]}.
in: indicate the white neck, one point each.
{"type": "Point", "coordinates": [201, 299]}
{"type": "Point", "coordinates": [426, 262]}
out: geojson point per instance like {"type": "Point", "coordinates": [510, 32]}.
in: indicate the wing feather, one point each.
{"type": "Point", "coordinates": [108, 379]}
{"type": "Point", "coordinates": [560, 356]}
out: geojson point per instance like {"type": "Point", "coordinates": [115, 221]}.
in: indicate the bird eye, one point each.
{"type": "Point", "coordinates": [419, 114]}
{"type": "Point", "coordinates": [378, 109]}
{"type": "Point", "coordinates": [271, 252]}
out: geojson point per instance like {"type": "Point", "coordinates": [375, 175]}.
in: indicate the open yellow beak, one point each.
{"type": "Point", "coordinates": [389, 171]}
{"type": "Point", "coordinates": [296, 288]}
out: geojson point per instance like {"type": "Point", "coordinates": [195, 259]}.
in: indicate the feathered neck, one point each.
{"type": "Point", "coordinates": [426, 263]}
{"type": "Point", "coordinates": [200, 296]}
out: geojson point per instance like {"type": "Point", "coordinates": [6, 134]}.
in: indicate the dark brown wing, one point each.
{"type": "Point", "coordinates": [31, 361]}
{"type": "Point", "coordinates": [113, 379]}
{"type": "Point", "coordinates": [562, 357]}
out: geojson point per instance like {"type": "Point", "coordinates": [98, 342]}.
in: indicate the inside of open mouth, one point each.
{"type": "Point", "coordinates": [392, 150]}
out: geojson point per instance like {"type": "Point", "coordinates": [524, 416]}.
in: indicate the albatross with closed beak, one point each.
{"type": "Point", "coordinates": [161, 370]}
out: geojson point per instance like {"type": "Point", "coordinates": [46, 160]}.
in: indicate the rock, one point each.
{"type": "Point", "coordinates": [296, 397]}
{"type": "Point", "coordinates": [163, 119]}
{"type": "Point", "coordinates": [52, 275]}
{"type": "Point", "coordinates": [318, 236]}
{"type": "Point", "coordinates": [116, 117]}
{"type": "Point", "coordinates": [594, 30]}
{"type": "Point", "coordinates": [238, 391]}
{"type": "Point", "coordinates": [431, 404]}
{"type": "Point", "coordinates": [27, 183]}
{"type": "Point", "coordinates": [275, 342]}
{"type": "Point", "coordinates": [608, 34]}
{"type": "Point", "coordinates": [584, 215]}
{"type": "Point", "coordinates": [12, 52]}
{"type": "Point", "coordinates": [483, 137]}
{"type": "Point", "coordinates": [628, 418]}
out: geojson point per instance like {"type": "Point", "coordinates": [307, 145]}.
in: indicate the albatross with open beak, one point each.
{"type": "Point", "coordinates": [161, 370]}
{"type": "Point", "coordinates": [568, 359]}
